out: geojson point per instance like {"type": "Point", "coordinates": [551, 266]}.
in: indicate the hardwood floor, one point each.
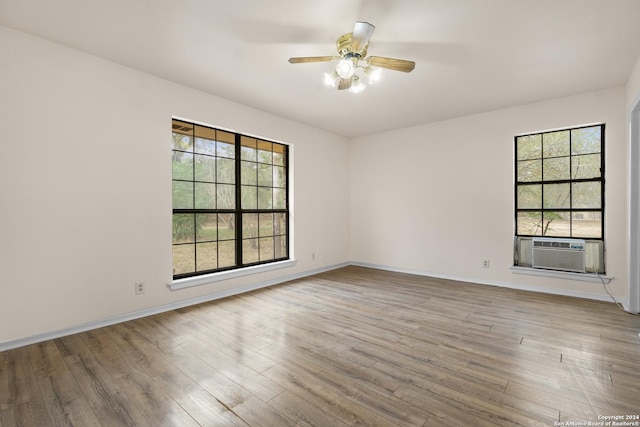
{"type": "Point", "coordinates": [353, 346]}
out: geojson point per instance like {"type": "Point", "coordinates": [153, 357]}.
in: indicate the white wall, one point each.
{"type": "Point", "coordinates": [633, 86]}
{"type": "Point", "coordinates": [437, 199]}
{"type": "Point", "coordinates": [85, 187]}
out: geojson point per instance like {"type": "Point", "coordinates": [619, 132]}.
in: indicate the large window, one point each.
{"type": "Point", "coordinates": [230, 200]}
{"type": "Point", "coordinates": [559, 189]}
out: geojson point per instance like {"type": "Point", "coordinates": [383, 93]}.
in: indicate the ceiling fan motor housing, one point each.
{"type": "Point", "coordinates": [343, 44]}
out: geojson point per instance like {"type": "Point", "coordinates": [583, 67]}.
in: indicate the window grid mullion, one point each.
{"type": "Point", "coordinates": [193, 178]}
{"type": "Point", "coordinates": [542, 183]}
{"type": "Point", "coordinates": [238, 207]}
{"type": "Point", "coordinates": [570, 184]}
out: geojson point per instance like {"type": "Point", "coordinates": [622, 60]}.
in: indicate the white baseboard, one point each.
{"type": "Point", "coordinates": [563, 292]}
{"type": "Point", "coordinates": [8, 345]}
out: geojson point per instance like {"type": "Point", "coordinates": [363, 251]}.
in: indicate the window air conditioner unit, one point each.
{"type": "Point", "coordinates": [558, 254]}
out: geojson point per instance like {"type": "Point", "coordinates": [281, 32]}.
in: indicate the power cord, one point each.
{"type": "Point", "coordinates": [620, 306]}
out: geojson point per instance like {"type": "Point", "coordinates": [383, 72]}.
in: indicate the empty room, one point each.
{"type": "Point", "coordinates": [336, 213]}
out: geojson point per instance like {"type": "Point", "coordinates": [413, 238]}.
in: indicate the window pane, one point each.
{"type": "Point", "coordinates": [205, 195]}
{"type": "Point", "coordinates": [226, 171]}
{"type": "Point", "coordinates": [555, 144]}
{"type": "Point", "coordinates": [278, 154]}
{"type": "Point", "coordinates": [529, 196]}
{"type": "Point", "coordinates": [529, 170]}
{"type": "Point", "coordinates": [266, 248]}
{"type": "Point", "coordinates": [529, 223]}
{"type": "Point", "coordinates": [265, 175]}
{"type": "Point", "coordinates": [182, 165]}
{"type": "Point", "coordinates": [279, 177]}
{"type": "Point", "coordinates": [226, 196]}
{"type": "Point", "coordinates": [587, 224]}
{"type": "Point", "coordinates": [279, 198]}
{"type": "Point", "coordinates": [250, 252]}
{"type": "Point", "coordinates": [249, 226]}
{"type": "Point", "coordinates": [182, 142]}
{"type": "Point", "coordinates": [205, 168]}
{"type": "Point", "coordinates": [206, 256]}
{"type": "Point", "coordinates": [183, 228]}
{"type": "Point", "coordinates": [226, 137]}
{"type": "Point", "coordinates": [555, 196]}
{"type": "Point", "coordinates": [265, 198]}
{"type": "Point", "coordinates": [225, 149]}
{"type": "Point", "coordinates": [586, 140]}
{"type": "Point", "coordinates": [556, 224]}
{"type": "Point", "coordinates": [226, 226]}
{"type": "Point", "coordinates": [279, 223]}
{"type": "Point", "coordinates": [182, 195]}
{"type": "Point", "coordinates": [249, 173]}
{"type": "Point", "coordinates": [206, 227]}
{"type": "Point", "coordinates": [586, 195]}
{"type": "Point", "coordinates": [529, 147]}
{"type": "Point", "coordinates": [226, 253]}
{"type": "Point", "coordinates": [205, 146]}
{"type": "Point", "coordinates": [280, 246]}
{"type": "Point", "coordinates": [266, 225]}
{"type": "Point", "coordinates": [248, 149]}
{"type": "Point", "coordinates": [249, 197]}
{"type": "Point", "coordinates": [585, 166]}
{"type": "Point", "coordinates": [555, 169]}
{"type": "Point", "coordinates": [184, 259]}
{"type": "Point", "coordinates": [264, 152]}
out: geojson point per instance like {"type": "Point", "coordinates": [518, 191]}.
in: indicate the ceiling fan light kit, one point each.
{"type": "Point", "coordinates": [352, 51]}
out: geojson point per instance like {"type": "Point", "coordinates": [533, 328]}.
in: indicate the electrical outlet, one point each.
{"type": "Point", "coordinates": [313, 256]}
{"type": "Point", "coordinates": [485, 263]}
{"type": "Point", "coordinates": [139, 288]}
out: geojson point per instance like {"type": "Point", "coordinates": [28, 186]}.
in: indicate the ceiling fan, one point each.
{"type": "Point", "coordinates": [352, 55]}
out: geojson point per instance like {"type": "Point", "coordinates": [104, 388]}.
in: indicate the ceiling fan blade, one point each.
{"type": "Point", "coordinates": [391, 63]}
{"type": "Point", "coordinates": [304, 59]}
{"type": "Point", "coordinates": [344, 84]}
{"type": "Point", "coordinates": [360, 36]}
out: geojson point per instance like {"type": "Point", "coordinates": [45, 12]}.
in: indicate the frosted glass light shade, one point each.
{"type": "Point", "coordinates": [345, 68]}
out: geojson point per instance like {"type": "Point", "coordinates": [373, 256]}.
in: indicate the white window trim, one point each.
{"type": "Point", "coordinates": [204, 279]}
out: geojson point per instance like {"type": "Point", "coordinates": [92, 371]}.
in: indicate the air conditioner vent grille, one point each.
{"type": "Point", "coordinates": [547, 244]}
{"type": "Point", "coordinates": [559, 244]}
{"type": "Point", "coordinates": [558, 254]}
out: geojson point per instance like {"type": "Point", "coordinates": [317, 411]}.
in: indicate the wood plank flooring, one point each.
{"type": "Point", "coordinates": [353, 346]}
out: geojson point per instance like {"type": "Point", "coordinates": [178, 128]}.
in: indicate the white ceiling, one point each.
{"type": "Point", "coordinates": [471, 55]}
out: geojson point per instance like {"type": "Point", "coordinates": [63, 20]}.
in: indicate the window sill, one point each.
{"type": "Point", "coordinates": [226, 275]}
{"type": "Point", "coordinates": [582, 277]}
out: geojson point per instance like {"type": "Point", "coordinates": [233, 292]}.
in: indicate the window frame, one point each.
{"type": "Point", "coordinates": [238, 211]}
{"type": "Point", "coordinates": [570, 181]}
